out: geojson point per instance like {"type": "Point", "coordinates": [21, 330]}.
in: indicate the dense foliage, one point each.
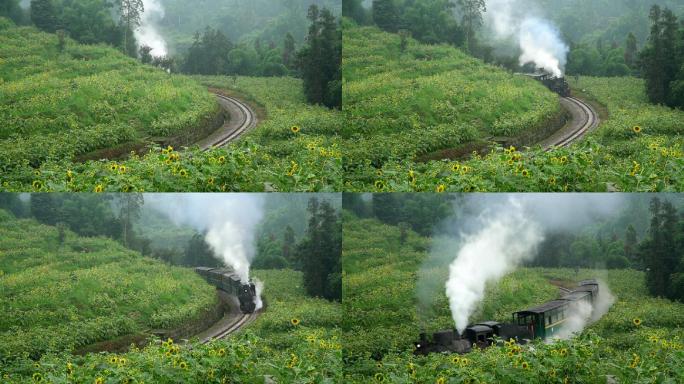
{"type": "Point", "coordinates": [293, 149]}
{"type": "Point", "coordinates": [401, 105]}
{"type": "Point", "coordinates": [59, 291]}
{"type": "Point", "coordinates": [639, 339]}
{"type": "Point", "coordinates": [296, 339]}
{"type": "Point", "coordinates": [638, 148]}
{"type": "Point", "coordinates": [57, 105]}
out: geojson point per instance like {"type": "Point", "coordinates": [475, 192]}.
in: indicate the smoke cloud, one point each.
{"type": "Point", "coordinates": [148, 33]}
{"type": "Point", "coordinates": [538, 40]}
{"type": "Point", "coordinates": [229, 220]}
{"type": "Point", "coordinates": [507, 238]}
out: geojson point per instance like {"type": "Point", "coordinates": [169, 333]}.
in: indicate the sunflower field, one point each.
{"type": "Point", "coordinates": [56, 105]}
{"type": "Point", "coordinates": [295, 340]}
{"type": "Point", "coordinates": [401, 104]}
{"type": "Point", "coordinates": [394, 292]}
{"type": "Point", "coordinates": [94, 98]}
{"type": "Point", "coordinates": [638, 148]}
{"type": "Point", "coordinates": [56, 297]}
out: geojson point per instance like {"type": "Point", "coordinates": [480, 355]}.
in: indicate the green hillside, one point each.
{"type": "Point", "coordinates": [406, 111]}
{"type": "Point", "coordinates": [296, 339]}
{"type": "Point", "coordinates": [59, 296]}
{"type": "Point", "coordinates": [384, 316]}
{"type": "Point", "coordinates": [59, 106]}
{"type": "Point", "coordinates": [401, 104]}
{"type": "Point", "coordinates": [85, 98]}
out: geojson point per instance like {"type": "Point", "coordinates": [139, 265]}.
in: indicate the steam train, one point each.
{"type": "Point", "coordinates": [556, 84]}
{"type": "Point", "coordinates": [542, 321]}
{"type": "Point", "coordinates": [228, 281]}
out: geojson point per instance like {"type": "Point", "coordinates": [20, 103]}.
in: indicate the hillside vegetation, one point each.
{"type": "Point", "coordinates": [639, 340]}
{"type": "Point", "coordinates": [639, 148]}
{"type": "Point", "coordinates": [57, 104]}
{"type": "Point", "coordinates": [295, 340]}
{"type": "Point", "coordinates": [58, 296]}
{"type": "Point", "coordinates": [403, 99]}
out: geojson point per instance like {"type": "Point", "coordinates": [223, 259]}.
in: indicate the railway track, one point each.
{"type": "Point", "coordinates": [584, 120]}
{"type": "Point", "coordinates": [238, 323]}
{"type": "Point", "coordinates": [242, 119]}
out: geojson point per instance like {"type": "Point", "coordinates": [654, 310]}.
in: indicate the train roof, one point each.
{"type": "Point", "coordinates": [490, 324]}
{"type": "Point", "coordinates": [575, 295]}
{"type": "Point", "coordinates": [479, 328]}
{"type": "Point", "coordinates": [548, 306]}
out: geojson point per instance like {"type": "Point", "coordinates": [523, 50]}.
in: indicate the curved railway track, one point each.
{"type": "Point", "coordinates": [238, 323]}
{"type": "Point", "coordinates": [242, 119]}
{"type": "Point", "coordinates": [584, 120]}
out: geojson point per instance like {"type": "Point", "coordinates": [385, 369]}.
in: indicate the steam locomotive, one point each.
{"type": "Point", "coordinates": [227, 280]}
{"type": "Point", "coordinates": [542, 321]}
{"type": "Point", "coordinates": [556, 84]}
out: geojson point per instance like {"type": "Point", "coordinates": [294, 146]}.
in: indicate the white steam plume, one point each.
{"type": "Point", "coordinates": [507, 239]}
{"type": "Point", "coordinates": [148, 34]}
{"type": "Point", "coordinates": [539, 41]}
{"type": "Point", "coordinates": [583, 313]}
{"type": "Point", "coordinates": [259, 285]}
{"type": "Point", "coordinates": [229, 220]}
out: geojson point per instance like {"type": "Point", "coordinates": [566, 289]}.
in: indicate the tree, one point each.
{"type": "Point", "coordinates": [129, 211]}
{"type": "Point", "coordinates": [631, 244]}
{"type": "Point", "coordinates": [130, 13]}
{"type": "Point", "coordinates": [145, 55]}
{"type": "Point", "coordinates": [199, 254]}
{"type": "Point", "coordinates": [289, 242]}
{"type": "Point", "coordinates": [386, 15]}
{"type": "Point", "coordinates": [631, 50]}
{"type": "Point", "coordinates": [320, 60]}
{"type": "Point", "coordinates": [43, 15]}
{"type": "Point", "coordinates": [472, 19]}
{"type": "Point", "coordinates": [289, 51]}
{"type": "Point", "coordinates": [354, 9]}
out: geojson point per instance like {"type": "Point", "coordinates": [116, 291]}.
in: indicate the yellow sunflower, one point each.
{"type": "Point", "coordinates": [295, 129]}
{"type": "Point", "coordinates": [99, 188]}
{"type": "Point", "coordinates": [637, 321]}
{"type": "Point", "coordinates": [636, 129]}
{"type": "Point", "coordinates": [455, 167]}
{"type": "Point", "coordinates": [525, 365]}
{"type": "Point", "coordinates": [37, 377]}
{"type": "Point", "coordinates": [221, 352]}
{"type": "Point", "coordinates": [441, 380]}
{"type": "Point", "coordinates": [210, 181]}
{"type": "Point", "coordinates": [37, 185]}
{"type": "Point", "coordinates": [379, 377]}
{"type": "Point", "coordinates": [379, 184]}
{"type": "Point", "coordinates": [294, 321]}
{"type": "Point", "coordinates": [221, 159]}
{"type": "Point", "coordinates": [183, 172]}
{"type": "Point", "coordinates": [441, 188]}
{"type": "Point", "coordinates": [525, 173]}
{"type": "Point", "coordinates": [99, 380]}
{"type": "Point", "coordinates": [183, 365]}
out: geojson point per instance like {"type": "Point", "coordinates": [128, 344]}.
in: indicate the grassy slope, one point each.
{"type": "Point", "coordinates": [400, 105]}
{"type": "Point", "coordinates": [271, 346]}
{"type": "Point", "coordinates": [58, 105]}
{"type": "Point", "coordinates": [270, 158]}
{"type": "Point", "coordinates": [615, 157]}
{"type": "Point", "coordinates": [56, 298]}
{"type": "Point", "coordinates": [381, 320]}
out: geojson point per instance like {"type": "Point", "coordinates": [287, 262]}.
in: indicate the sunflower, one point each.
{"type": "Point", "coordinates": [552, 373]}
{"type": "Point", "coordinates": [456, 167]}
{"type": "Point", "coordinates": [294, 321]}
{"type": "Point", "coordinates": [122, 169]}
{"type": "Point", "coordinates": [525, 365]}
{"type": "Point", "coordinates": [552, 180]}
{"type": "Point", "coordinates": [563, 352]}
{"type": "Point", "coordinates": [637, 321]}
{"type": "Point", "coordinates": [210, 181]}
{"type": "Point", "coordinates": [99, 380]}
{"type": "Point", "coordinates": [113, 167]}
{"type": "Point", "coordinates": [221, 352]}
{"type": "Point", "coordinates": [511, 162]}
{"type": "Point", "coordinates": [169, 148]}
{"type": "Point", "coordinates": [69, 369]}
{"type": "Point", "coordinates": [37, 377]}
{"type": "Point", "coordinates": [441, 188]}
{"type": "Point", "coordinates": [37, 185]}
{"type": "Point", "coordinates": [183, 365]}
{"type": "Point", "coordinates": [379, 184]}
{"type": "Point", "coordinates": [36, 173]}
{"type": "Point", "coordinates": [113, 360]}
{"type": "Point", "coordinates": [69, 174]}
{"type": "Point", "coordinates": [441, 380]}
{"type": "Point", "coordinates": [168, 162]}
{"type": "Point", "coordinates": [122, 361]}
{"type": "Point", "coordinates": [183, 172]}
{"type": "Point", "coordinates": [636, 129]}
{"type": "Point", "coordinates": [563, 159]}
{"type": "Point", "coordinates": [99, 188]}
{"type": "Point", "coordinates": [168, 354]}
{"type": "Point", "coordinates": [379, 377]}
{"type": "Point", "coordinates": [221, 159]}
{"type": "Point", "coordinates": [455, 359]}
{"type": "Point", "coordinates": [295, 129]}
{"type": "Point", "coordinates": [510, 354]}
{"type": "Point", "coordinates": [525, 173]}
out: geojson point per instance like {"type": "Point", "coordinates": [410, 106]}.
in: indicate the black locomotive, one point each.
{"type": "Point", "coordinates": [227, 280]}
{"type": "Point", "coordinates": [542, 321]}
{"type": "Point", "coordinates": [556, 84]}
